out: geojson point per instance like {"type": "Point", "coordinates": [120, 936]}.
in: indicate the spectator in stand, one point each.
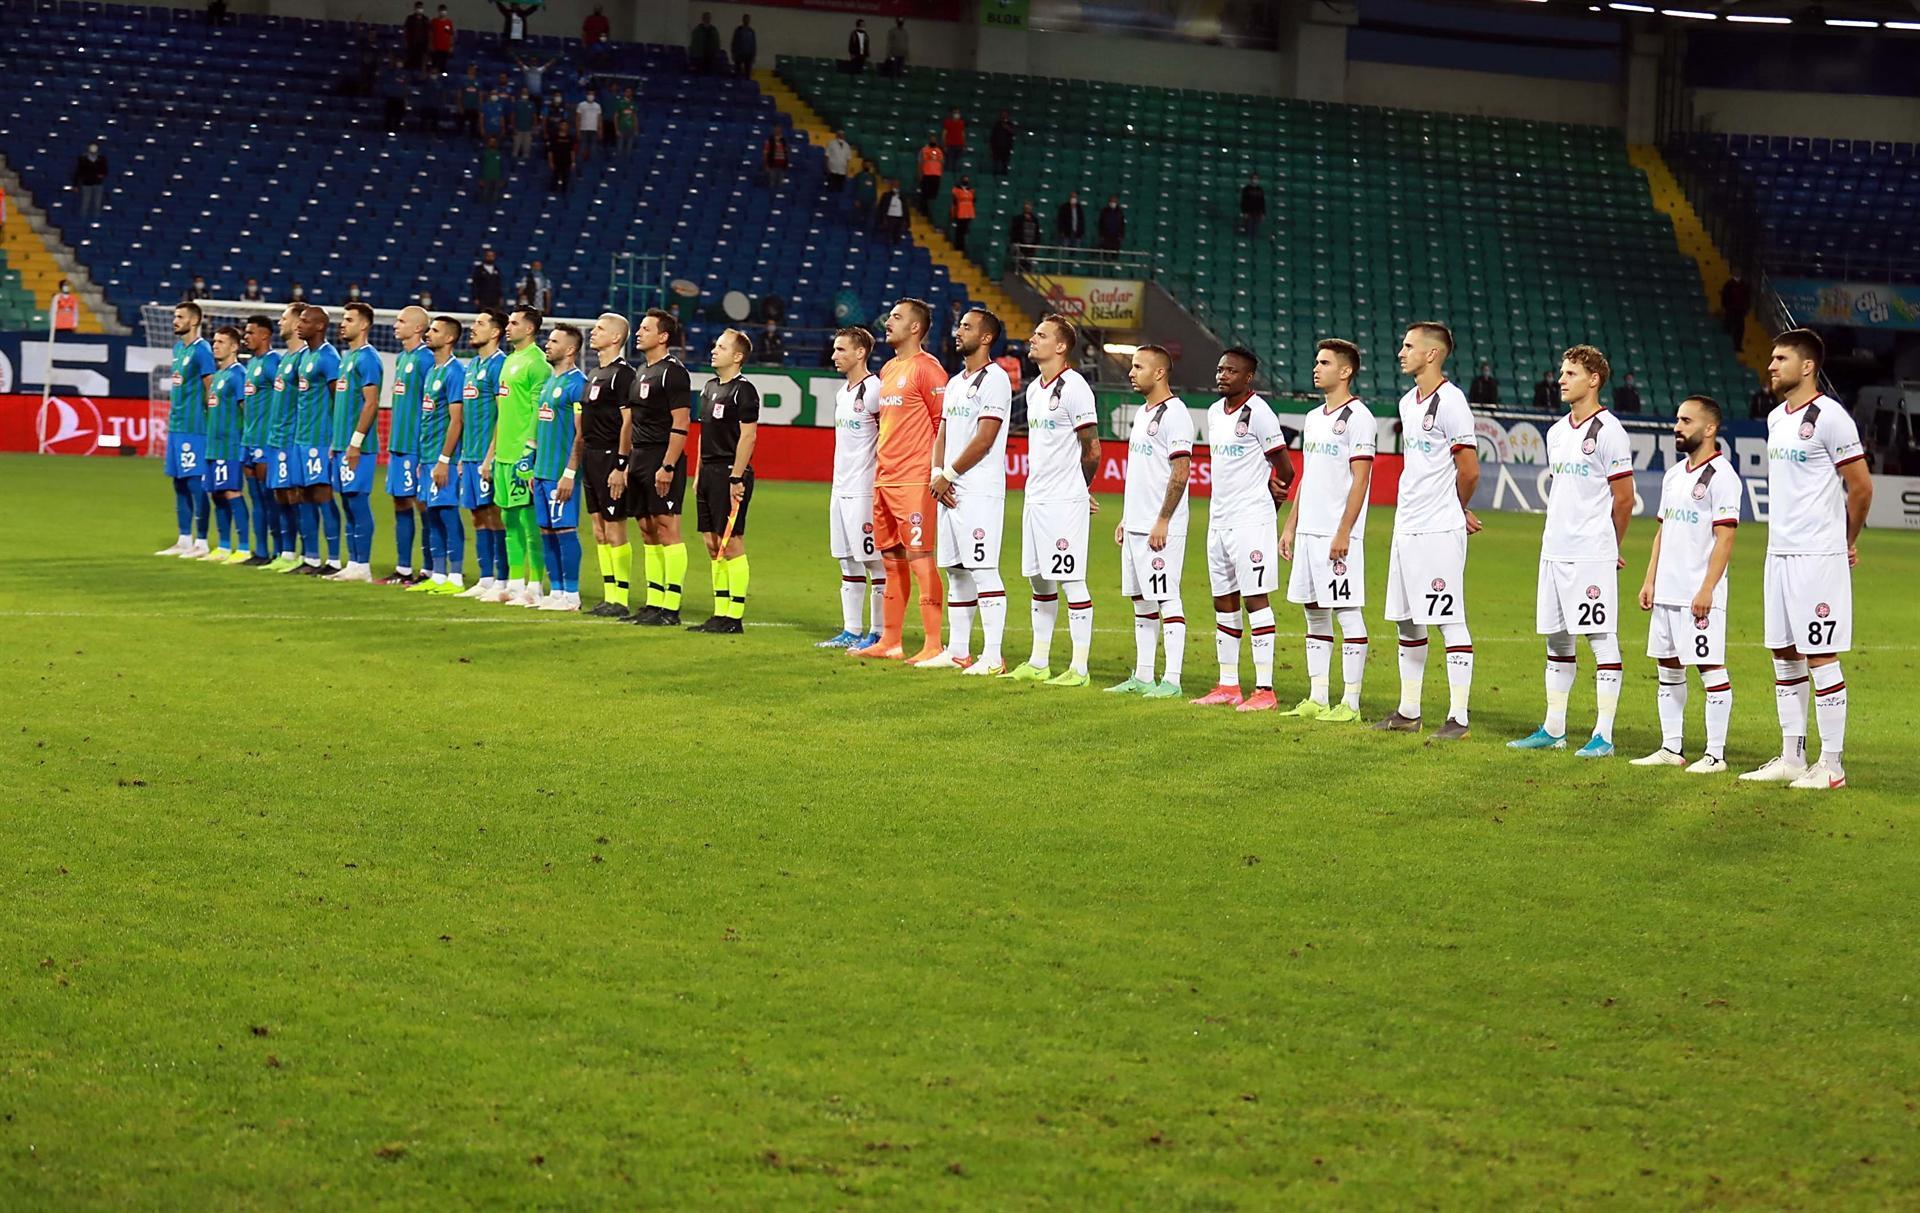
{"type": "Point", "coordinates": [953, 137]}
{"type": "Point", "coordinates": [440, 40]}
{"type": "Point", "coordinates": [493, 116]}
{"type": "Point", "coordinates": [960, 210]}
{"type": "Point", "coordinates": [1735, 301]}
{"type": "Point", "coordinates": [865, 187]}
{"type": "Point", "coordinates": [859, 48]}
{"type": "Point", "coordinates": [1023, 233]}
{"type": "Point", "coordinates": [890, 213]}
{"type": "Point", "coordinates": [1070, 221]}
{"type": "Point", "coordinates": [522, 116]}
{"type": "Point", "coordinates": [297, 293]}
{"type": "Point", "coordinates": [252, 293]}
{"type": "Point", "coordinates": [1761, 403]}
{"type": "Point", "coordinates": [1009, 361]}
{"type": "Point", "coordinates": [1112, 225]}
{"type": "Point", "coordinates": [594, 31]}
{"type": "Point", "coordinates": [394, 99]}
{"type": "Point", "coordinates": [627, 121]}
{"type": "Point", "coordinates": [354, 292]}
{"type": "Point", "coordinates": [1546, 393]}
{"type": "Point", "coordinates": [896, 61]}
{"type": "Point", "coordinates": [431, 95]}
{"type": "Point", "coordinates": [746, 47]}
{"type": "Point", "coordinates": [513, 30]}
{"type": "Point", "coordinates": [216, 12]}
{"type": "Point", "coordinates": [775, 159]}
{"type": "Point", "coordinates": [1000, 143]}
{"type": "Point", "coordinates": [1253, 205]}
{"type": "Point", "coordinates": [535, 74]}
{"type": "Point", "coordinates": [90, 178]}
{"type": "Point", "coordinates": [772, 351]}
{"type": "Point", "coordinates": [198, 290]}
{"type": "Point", "coordinates": [839, 156]}
{"type": "Point", "coordinates": [933, 163]}
{"type": "Point", "coordinates": [486, 282]}
{"type": "Point", "coordinates": [416, 34]}
{"type": "Point", "coordinates": [65, 308]}
{"type": "Point", "coordinates": [470, 103]}
{"type": "Point", "coordinates": [703, 47]}
{"type": "Point", "coordinates": [1484, 389]}
{"type": "Point", "coordinates": [536, 289]}
{"type": "Point", "coordinates": [367, 55]}
{"type": "Point", "coordinates": [1626, 397]}
{"type": "Point", "coordinates": [561, 152]}
{"type": "Point", "coordinates": [492, 174]}
{"type": "Point", "coordinates": [586, 119]}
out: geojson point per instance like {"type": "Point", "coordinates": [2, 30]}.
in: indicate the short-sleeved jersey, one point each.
{"type": "Point", "coordinates": [1432, 428]}
{"type": "Point", "coordinates": [970, 398]}
{"type": "Point", "coordinates": [610, 389]}
{"type": "Point", "coordinates": [409, 378]}
{"type": "Point", "coordinates": [445, 387]}
{"type": "Point", "coordinates": [856, 431]}
{"type": "Point", "coordinates": [558, 414]}
{"type": "Point", "coordinates": [1330, 444]}
{"type": "Point", "coordinates": [1239, 442]}
{"type": "Point", "coordinates": [1161, 433]}
{"type": "Point", "coordinates": [1057, 410]}
{"type": "Point", "coordinates": [224, 419]}
{"type": "Point", "coordinates": [1584, 461]}
{"type": "Point", "coordinates": [480, 404]}
{"type": "Point", "coordinates": [663, 387]}
{"type": "Point", "coordinates": [522, 376]}
{"type": "Point", "coordinates": [911, 394]}
{"type": "Point", "coordinates": [724, 408]}
{"type": "Point", "coordinates": [360, 369]}
{"type": "Point", "coordinates": [1695, 500]}
{"type": "Point", "coordinates": [192, 361]}
{"type": "Point", "coordinates": [313, 394]}
{"type": "Point", "coordinates": [257, 397]}
{"type": "Point", "coordinates": [283, 406]}
{"type": "Point", "coordinates": [1806, 500]}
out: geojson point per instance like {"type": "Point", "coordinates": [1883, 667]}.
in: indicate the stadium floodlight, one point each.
{"type": "Point", "coordinates": [1633, 8]}
{"type": "Point", "coordinates": [1689, 14]}
{"type": "Point", "coordinates": [1850, 23]}
{"type": "Point", "coordinates": [1906, 25]}
{"type": "Point", "coordinates": [1751, 19]}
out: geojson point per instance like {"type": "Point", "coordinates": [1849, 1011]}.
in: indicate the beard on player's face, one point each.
{"type": "Point", "coordinates": [1686, 444]}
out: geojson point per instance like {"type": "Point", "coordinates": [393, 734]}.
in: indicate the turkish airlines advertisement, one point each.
{"type": "Point", "coordinates": [69, 424]}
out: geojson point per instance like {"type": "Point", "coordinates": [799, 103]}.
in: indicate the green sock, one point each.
{"type": "Point", "coordinates": [721, 602]}
{"type": "Point", "coordinates": [516, 546]}
{"type": "Point", "coordinates": [656, 556]}
{"type": "Point", "coordinates": [622, 557]}
{"type": "Point", "coordinates": [737, 585]}
{"type": "Point", "coordinates": [675, 558]}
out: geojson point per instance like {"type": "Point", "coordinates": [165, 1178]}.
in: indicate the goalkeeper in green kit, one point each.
{"type": "Point", "coordinates": [522, 376]}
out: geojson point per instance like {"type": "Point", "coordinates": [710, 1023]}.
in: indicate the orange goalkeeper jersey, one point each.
{"type": "Point", "coordinates": [912, 395]}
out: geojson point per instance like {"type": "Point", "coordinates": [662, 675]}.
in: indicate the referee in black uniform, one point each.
{"type": "Point", "coordinates": [602, 449]}
{"type": "Point", "coordinates": [657, 476]}
{"type": "Point", "coordinates": [729, 427]}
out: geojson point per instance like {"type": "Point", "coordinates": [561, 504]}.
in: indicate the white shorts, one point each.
{"type": "Point", "coordinates": [1145, 573]}
{"type": "Point", "coordinates": [1243, 558]}
{"type": "Point", "coordinates": [1427, 577]}
{"type": "Point", "coordinates": [851, 524]}
{"type": "Point", "coordinates": [1674, 632]}
{"type": "Point", "coordinates": [1053, 538]}
{"type": "Point", "coordinates": [1809, 603]}
{"type": "Point", "coordinates": [970, 532]}
{"type": "Point", "coordinates": [1319, 579]}
{"type": "Point", "coordinates": [1581, 597]}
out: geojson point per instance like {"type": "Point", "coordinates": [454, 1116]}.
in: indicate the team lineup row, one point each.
{"type": "Point", "coordinates": [918, 500]}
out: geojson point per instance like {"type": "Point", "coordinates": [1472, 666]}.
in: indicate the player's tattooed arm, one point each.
{"type": "Point", "coordinates": [1466, 478]}
{"type": "Point", "coordinates": [1090, 462]}
{"type": "Point", "coordinates": [1178, 466]}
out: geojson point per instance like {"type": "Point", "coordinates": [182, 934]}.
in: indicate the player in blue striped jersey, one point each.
{"type": "Point", "coordinates": [481, 394]}
{"type": "Point", "coordinates": [354, 441]}
{"type": "Point", "coordinates": [226, 389]}
{"type": "Point", "coordinates": [280, 441]}
{"type": "Point", "coordinates": [263, 363]}
{"type": "Point", "coordinates": [442, 423]}
{"type": "Point", "coordinates": [186, 409]}
{"type": "Point", "coordinates": [554, 462]}
{"type": "Point", "coordinates": [319, 366]}
{"type": "Point", "coordinates": [403, 440]}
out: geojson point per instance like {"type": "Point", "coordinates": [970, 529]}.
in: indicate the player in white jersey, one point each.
{"type": "Point", "coordinates": [1686, 585]}
{"type": "Point", "coordinates": [970, 489]}
{"type": "Point", "coordinates": [1152, 533]}
{"type": "Point", "coordinates": [1427, 565]}
{"type": "Point", "coordinates": [1251, 473]}
{"type": "Point", "coordinates": [1818, 494]}
{"type": "Point", "coordinates": [856, 431]}
{"type": "Point", "coordinates": [1589, 503]}
{"type": "Point", "coordinates": [1326, 532]}
{"type": "Point", "coordinates": [1063, 455]}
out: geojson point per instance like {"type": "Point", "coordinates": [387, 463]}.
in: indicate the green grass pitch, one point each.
{"type": "Point", "coordinates": [328, 897]}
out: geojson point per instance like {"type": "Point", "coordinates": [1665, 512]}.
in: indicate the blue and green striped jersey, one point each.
{"type": "Point", "coordinates": [186, 403]}
{"type": "Point", "coordinates": [553, 430]}
{"type": "Point", "coordinates": [224, 418]}
{"type": "Point", "coordinates": [280, 405]}
{"type": "Point", "coordinates": [445, 387]}
{"type": "Point", "coordinates": [359, 370]}
{"type": "Point", "coordinates": [481, 395]}
{"type": "Point", "coordinates": [258, 401]}
{"type": "Point", "coordinates": [409, 377]}
{"type": "Point", "coordinates": [313, 394]}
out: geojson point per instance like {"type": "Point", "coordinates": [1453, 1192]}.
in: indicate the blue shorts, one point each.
{"type": "Point", "coordinates": [474, 492]}
{"type": "Point", "coordinates": [279, 468]}
{"type": "Point", "coordinates": [184, 452]}
{"type": "Point", "coordinates": [356, 480]}
{"type": "Point", "coordinates": [441, 498]}
{"type": "Point", "coordinates": [221, 476]}
{"type": "Point", "coordinates": [309, 467]}
{"type": "Point", "coordinates": [403, 475]}
{"type": "Point", "coordinates": [254, 455]}
{"type": "Point", "coordinates": [554, 514]}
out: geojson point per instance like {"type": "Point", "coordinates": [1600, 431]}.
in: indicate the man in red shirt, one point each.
{"type": "Point", "coordinates": [440, 39]}
{"type": "Point", "coordinates": [953, 134]}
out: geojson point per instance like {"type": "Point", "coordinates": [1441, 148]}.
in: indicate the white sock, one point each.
{"type": "Point", "coordinates": [876, 597]}
{"type": "Point", "coordinates": [1719, 690]}
{"type": "Point", "coordinates": [1260, 633]}
{"type": "Point", "coordinates": [1606, 681]}
{"type": "Point", "coordinates": [1672, 698]}
{"type": "Point", "coordinates": [1790, 699]}
{"type": "Point", "coordinates": [457, 580]}
{"type": "Point", "coordinates": [1146, 635]}
{"type": "Point", "coordinates": [515, 585]}
{"type": "Point", "coordinates": [1045, 611]}
{"type": "Point", "coordinates": [438, 578]}
{"type": "Point", "coordinates": [402, 570]}
{"type": "Point", "coordinates": [1173, 638]}
{"type": "Point", "coordinates": [1459, 669]}
{"type": "Point", "coordinates": [1560, 672]}
{"type": "Point", "coordinates": [992, 594]}
{"type": "Point", "coordinates": [1319, 653]}
{"type": "Point", "coordinates": [961, 601]}
{"type": "Point", "coordinates": [853, 593]}
{"type": "Point", "coordinates": [1079, 623]}
{"type": "Point", "coordinates": [1413, 667]}
{"type": "Point", "coordinates": [1226, 645]}
{"type": "Point", "coordinates": [1353, 653]}
{"type": "Point", "coordinates": [1830, 713]}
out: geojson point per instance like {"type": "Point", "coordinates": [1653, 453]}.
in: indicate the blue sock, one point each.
{"type": "Point", "coordinates": [550, 545]}
{"type": "Point", "coordinates": [497, 540]}
{"type": "Point", "coordinates": [360, 545]}
{"type": "Point", "coordinates": [569, 562]}
{"type": "Point", "coordinates": [242, 522]}
{"type": "Point", "coordinates": [403, 527]}
{"type": "Point", "coordinates": [309, 515]}
{"type": "Point", "coordinates": [453, 538]}
{"type": "Point", "coordinates": [286, 520]}
{"type": "Point", "coordinates": [330, 522]}
{"type": "Point", "coordinates": [482, 552]}
{"type": "Point", "coordinates": [202, 510]}
{"type": "Point", "coordinates": [183, 505]}
{"type": "Point", "coordinates": [223, 519]}
{"type": "Point", "coordinates": [261, 524]}
{"type": "Point", "coordinates": [436, 543]}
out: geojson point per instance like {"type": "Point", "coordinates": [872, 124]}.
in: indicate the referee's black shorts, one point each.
{"type": "Point", "coordinates": [598, 466]}
{"type": "Point", "coordinates": [715, 499]}
{"type": "Point", "coordinates": [642, 499]}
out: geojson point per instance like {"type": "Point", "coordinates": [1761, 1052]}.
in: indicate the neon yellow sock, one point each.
{"type": "Point", "coordinates": [622, 558]}
{"type": "Point", "coordinates": [656, 574]}
{"type": "Point", "coordinates": [722, 603]}
{"type": "Point", "coordinates": [737, 577]}
{"type": "Point", "coordinates": [676, 574]}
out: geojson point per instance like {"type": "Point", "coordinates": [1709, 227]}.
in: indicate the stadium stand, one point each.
{"type": "Point", "coordinates": [234, 170]}
{"type": "Point", "coordinates": [1525, 236]}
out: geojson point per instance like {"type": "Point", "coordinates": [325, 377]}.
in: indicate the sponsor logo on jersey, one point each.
{"type": "Point", "coordinates": [1571, 469]}
{"type": "Point", "coordinates": [646, 388]}
{"type": "Point", "coordinates": [1822, 611]}
{"type": "Point", "coordinates": [1676, 514]}
{"type": "Point", "coordinates": [1787, 453]}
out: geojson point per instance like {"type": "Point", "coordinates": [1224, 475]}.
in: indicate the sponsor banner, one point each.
{"type": "Point", "coordinates": [92, 365]}
{"type": "Point", "coordinates": [1108, 303]}
{"type": "Point", "coordinates": [1896, 503]}
{"type": "Point", "coordinates": [913, 10]}
{"type": "Point", "coordinates": [1872, 305]}
{"type": "Point", "coordinates": [1004, 14]}
{"type": "Point", "coordinates": [71, 424]}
